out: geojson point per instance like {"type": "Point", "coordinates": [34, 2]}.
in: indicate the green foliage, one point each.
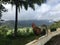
{"type": "Point", "coordinates": [19, 41]}
{"type": "Point", "coordinates": [2, 9]}
{"type": "Point", "coordinates": [3, 30]}
{"type": "Point", "coordinates": [55, 25]}
{"type": "Point", "coordinates": [53, 29]}
{"type": "Point", "coordinates": [25, 35]}
{"type": "Point", "coordinates": [25, 32]}
{"type": "Point", "coordinates": [25, 3]}
{"type": "Point", "coordinates": [6, 31]}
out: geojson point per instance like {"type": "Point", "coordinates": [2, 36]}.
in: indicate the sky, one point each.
{"type": "Point", "coordinates": [47, 11]}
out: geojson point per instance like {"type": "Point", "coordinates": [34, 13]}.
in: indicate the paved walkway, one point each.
{"type": "Point", "coordinates": [42, 40]}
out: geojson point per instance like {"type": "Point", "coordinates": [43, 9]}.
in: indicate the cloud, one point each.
{"type": "Point", "coordinates": [53, 13]}
{"type": "Point", "coordinates": [47, 11]}
{"type": "Point", "coordinates": [53, 2]}
{"type": "Point", "coordinates": [37, 14]}
{"type": "Point", "coordinates": [43, 8]}
{"type": "Point", "coordinates": [10, 15]}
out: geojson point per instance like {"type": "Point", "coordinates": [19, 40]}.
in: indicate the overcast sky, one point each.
{"type": "Point", "coordinates": [47, 11]}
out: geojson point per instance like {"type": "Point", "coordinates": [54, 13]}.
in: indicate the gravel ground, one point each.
{"type": "Point", "coordinates": [54, 41]}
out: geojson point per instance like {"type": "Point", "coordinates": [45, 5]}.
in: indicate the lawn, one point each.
{"type": "Point", "coordinates": [18, 41]}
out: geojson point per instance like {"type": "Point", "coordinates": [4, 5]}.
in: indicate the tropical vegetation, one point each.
{"type": "Point", "coordinates": [16, 36]}
{"type": "Point", "coordinates": [19, 4]}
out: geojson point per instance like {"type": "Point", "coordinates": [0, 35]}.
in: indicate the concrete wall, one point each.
{"type": "Point", "coordinates": [42, 40]}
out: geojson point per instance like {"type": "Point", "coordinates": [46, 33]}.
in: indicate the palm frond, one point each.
{"type": "Point", "coordinates": [25, 3]}
{"type": "Point", "coordinates": [32, 6]}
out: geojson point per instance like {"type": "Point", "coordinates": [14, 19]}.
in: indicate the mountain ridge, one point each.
{"type": "Point", "coordinates": [27, 23]}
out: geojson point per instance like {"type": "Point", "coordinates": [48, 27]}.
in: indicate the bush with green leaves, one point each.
{"type": "Point", "coordinates": [53, 27]}
{"type": "Point", "coordinates": [25, 32]}
{"type": "Point", "coordinates": [3, 30]}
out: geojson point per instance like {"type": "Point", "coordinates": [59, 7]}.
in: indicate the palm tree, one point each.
{"type": "Point", "coordinates": [19, 3]}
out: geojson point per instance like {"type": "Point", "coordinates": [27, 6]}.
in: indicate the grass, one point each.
{"type": "Point", "coordinates": [19, 41]}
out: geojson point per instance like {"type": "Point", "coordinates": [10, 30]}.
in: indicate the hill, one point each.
{"type": "Point", "coordinates": [27, 23]}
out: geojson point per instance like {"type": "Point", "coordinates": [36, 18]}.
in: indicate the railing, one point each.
{"type": "Point", "coordinates": [44, 39]}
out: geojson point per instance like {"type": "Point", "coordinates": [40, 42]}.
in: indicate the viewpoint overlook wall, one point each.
{"type": "Point", "coordinates": [42, 40]}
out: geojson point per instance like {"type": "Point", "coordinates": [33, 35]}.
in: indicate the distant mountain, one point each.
{"type": "Point", "coordinates": [27, 23]}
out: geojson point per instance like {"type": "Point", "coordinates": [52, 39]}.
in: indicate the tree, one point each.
{"type": "Point", "coordinates": [2, 9]}
{"type": "Point", "coordinates": [19, 4]}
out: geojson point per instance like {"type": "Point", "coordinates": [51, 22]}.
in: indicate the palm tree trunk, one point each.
{"type": "Point", "coordinates": [16, 22]}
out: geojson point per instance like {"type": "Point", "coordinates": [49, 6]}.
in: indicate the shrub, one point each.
{"type": "Point", "coordinates": [53, 28]}
{"type": "Point", "coordinates": [3, 30]}
{"type": "Point", "coordinates": [27, 30]}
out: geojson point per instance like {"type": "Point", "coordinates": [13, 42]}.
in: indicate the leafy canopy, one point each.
{"type": "Point", "coordinates": [25, 3]}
